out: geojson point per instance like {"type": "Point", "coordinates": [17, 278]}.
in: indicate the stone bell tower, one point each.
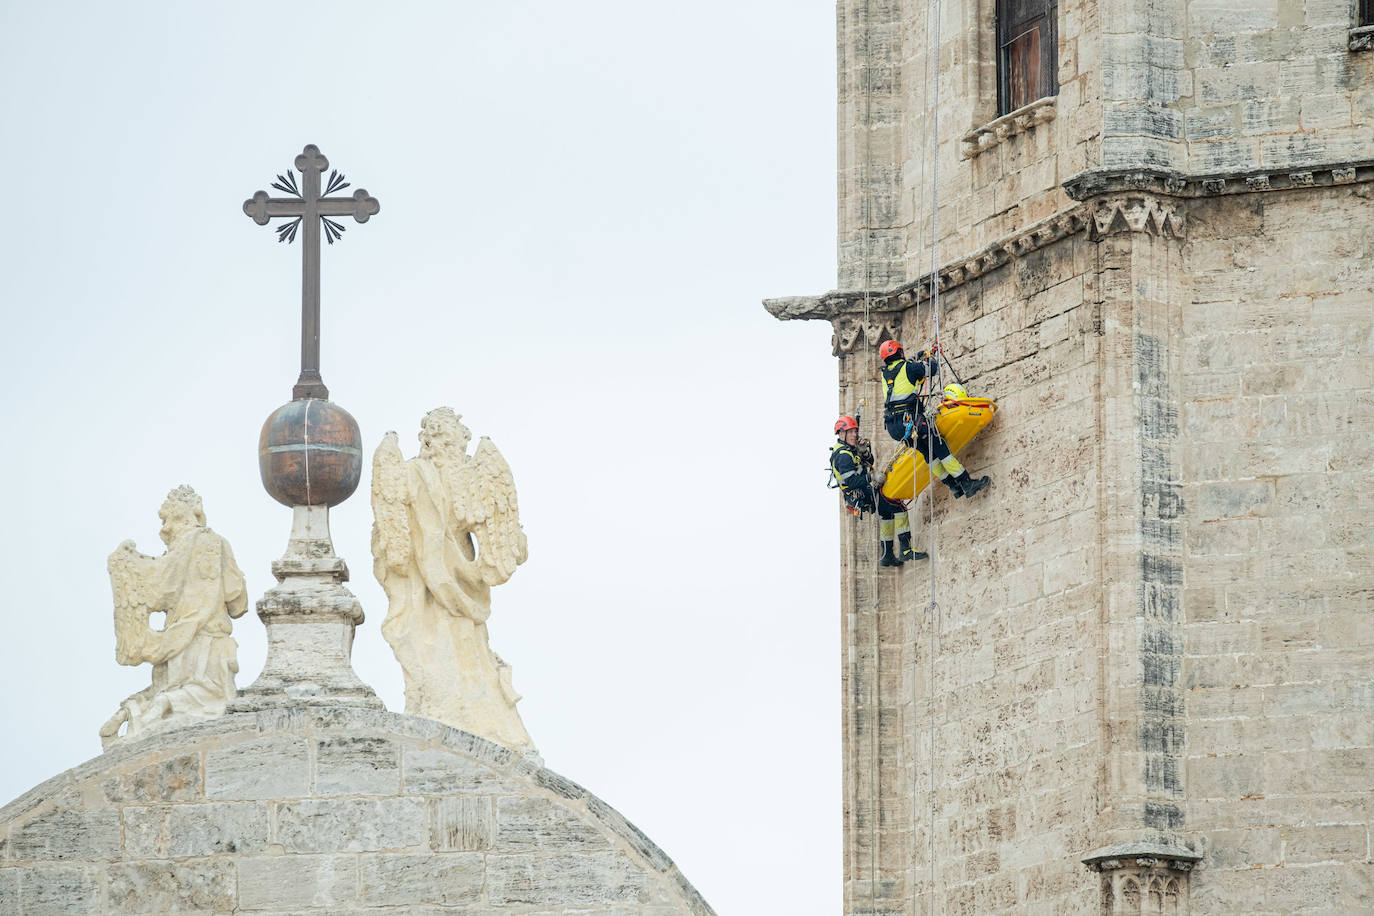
{"type": "Point", "coordinates": [1138, 675]}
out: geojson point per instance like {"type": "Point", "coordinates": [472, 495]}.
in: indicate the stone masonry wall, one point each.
{"type": "Point", "coordinates": [997, 175]}
{"type": "Point", "coordinates": [346, 811]}
{"type": "Point", "coordinates": [1278, 408]}
{"type": "Point", "coordinates": [1212, 86]}
{"type": "Point", "coordinates": [1014, 643]}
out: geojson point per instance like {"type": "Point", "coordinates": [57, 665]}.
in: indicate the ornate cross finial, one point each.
{"type": "Point", "coordinates": [310, 212]}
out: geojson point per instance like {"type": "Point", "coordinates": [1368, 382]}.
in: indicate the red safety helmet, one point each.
{"type": "Point", "coordinates": [845, 423]}
{"type": "Point", "coordinates": [888, 348]}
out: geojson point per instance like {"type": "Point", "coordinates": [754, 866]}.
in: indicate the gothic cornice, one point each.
{"type": "Point", "coordinates": [956, 273]}
{"type": "Point", "coordinates": [1141, 855]}
{"type": "Point", "coordinates": [1098, 182]}
{"type": "Point", "coordinates": [1121, 213]}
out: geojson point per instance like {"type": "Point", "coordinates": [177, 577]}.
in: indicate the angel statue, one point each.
{"type": "Point", "coordinates": [447, 529]}
{"type": "Point", "coordinates": [199, 587]}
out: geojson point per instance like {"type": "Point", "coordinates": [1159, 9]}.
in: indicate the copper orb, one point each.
{"type": "Point", "coordinates": [310, 453]}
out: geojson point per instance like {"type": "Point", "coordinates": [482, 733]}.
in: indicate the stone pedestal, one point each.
{"type": "Point", "coordinates": [310, 619]}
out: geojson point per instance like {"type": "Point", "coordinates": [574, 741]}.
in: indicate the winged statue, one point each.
{"type": "Point", "coordinates": [198, 587]}
{"type": "Point", "coordinates": [446, 530]}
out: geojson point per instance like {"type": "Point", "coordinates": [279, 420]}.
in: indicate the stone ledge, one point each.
{"type": "Point", "coordinates": [955, 273]}
{"type": "Point", "coordinates": [1142, 855]}
{"type": "Point", "coordinates": [1177, 184]}
{"type": "Point", "coordinates": [1362, 38]}
{"type": "Point", "coordinates": [982, 139]}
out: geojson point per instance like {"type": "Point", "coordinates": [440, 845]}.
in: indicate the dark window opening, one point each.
{"type": "Point", "coordinates": [1027, 52]}
{"type": "Point", "coordinates": [1366, 12]}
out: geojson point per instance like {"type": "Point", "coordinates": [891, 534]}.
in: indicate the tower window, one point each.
{"type": "Point", "coordinates": [1366, 12]}
{"type": "Point", "coordinates": [1027, 52]}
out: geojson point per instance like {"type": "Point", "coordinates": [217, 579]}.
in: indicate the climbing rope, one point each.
{"type": "Point", "coordinates": [933, 55]}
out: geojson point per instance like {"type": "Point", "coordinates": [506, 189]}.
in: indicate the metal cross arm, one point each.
{"type": "Point", "coordinates": [308, 211]}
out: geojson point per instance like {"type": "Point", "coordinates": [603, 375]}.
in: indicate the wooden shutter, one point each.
{"type": "Point", "coordinates": [1027, 52]}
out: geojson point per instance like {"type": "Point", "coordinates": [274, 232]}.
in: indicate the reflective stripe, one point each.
{"type": "Point", "coordinates": [885, 529]}
{"type": "Point", "coordinates": [900, 391]}
{"type": "Point", "coordinates": [903, 522]}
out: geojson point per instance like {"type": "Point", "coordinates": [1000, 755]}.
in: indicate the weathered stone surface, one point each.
{"type": "Point", "coordinates": [204, 885]}
{"type": "Point", "coordinates": [1151, 590]}
{"type": "Point", "coordinates": [267, 768]}
{"type": "Point", "coordinates": [600, 878]}
{"type": "Point", "coordinates": [285, 882]}
{"type": "Point", "coordinates": [440, 771]}
{"type": "Point", "coordinates": [537, 823]}
{"type": "Point", "coordinates": [297, 820]}
{"type": "Point", "coordinates": [357, 766]}
{"type": "Point", "coordinates": [351, 825]}
{"type": "Point", "coordinates": [66, 834]}
{"type": "Point", "coordinates": [177, 779]}
{"type": "Point", "coordinates": [402, 880]}
{"type": "Point", "coordinates": [48, 891]}
{"type": "Point", "coordinates": [196, 830]}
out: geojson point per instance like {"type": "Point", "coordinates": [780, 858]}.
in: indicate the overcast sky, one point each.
{"type": "Point", "coordinates": [582, 206]}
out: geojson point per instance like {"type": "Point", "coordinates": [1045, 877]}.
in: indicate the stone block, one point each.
{"type": "Point", "coordinates": [357, 765]}
{"type": "Point", "coordinates": [437, 771]}
{"type": "Point", "coordinates": [457, 824]}
{"type": "Point", "coordinates": [272, 767]}
{"type": "Point", "coordinates": [66, 835]}
{"type": "Point", "coordinates": [351, 825]}
{"type": "Point", "coordinates": [1338, 843]}
{"type": "Point", "coordinates": [408, 880]}
{"type": "Point", "coordinates": [195, 830]}
{"type": "Point", "coordinates": [595, 879]}
{"type": "Point", "coordinates": [204, 885]}
{"type": "Point", "coordinates": [9, 889]}
{"type": "Point", "coordinates": [286, 882]}
{"type": "Point", "coordinates": [175, 779]}
{"type": "Point", "coordinates": [1210, 502]}
{"type": "Point", "coordinates": [526, 824]}
{"type": "Point", "coordinates": [1223, 17]}
{"type": "Point", "coordinates": [51, 891]}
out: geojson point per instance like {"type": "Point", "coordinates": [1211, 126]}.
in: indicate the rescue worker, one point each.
{"type": "Point", "coordinates": [905, 418]}
{"type": "Point", "coordinates": [851, 461]}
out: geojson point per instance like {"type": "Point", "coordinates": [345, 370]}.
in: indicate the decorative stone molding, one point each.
{"type": "Point", "coordinates": [984, 138]}
{"type": "Point", "coordinates": [1140, 878]}
{"type": "Point", "coordinates": [1174, 184]}
{"type": "Point", "coordinates": [955, 273]}
{"type": "Point", "coordinates": [1120, 213]}
{"type": "Point", "coordinates": [1362, 38]}
{"type": "Point", "coordinates": [849, 331]}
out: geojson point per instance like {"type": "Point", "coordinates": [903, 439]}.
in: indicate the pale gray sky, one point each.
{"type": "Point", "coordinates": [582, 206]}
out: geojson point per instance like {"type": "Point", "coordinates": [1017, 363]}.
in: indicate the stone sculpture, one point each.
{"type": "Point", "coordinates": [447, 529]}
{"type": "Point", "coordinates": [197, 584]}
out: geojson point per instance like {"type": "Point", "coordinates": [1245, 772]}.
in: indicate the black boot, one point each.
{"type": "Point", "coordinates": [955, 486]}
{"type": "Point", "coordinates": [888, 558]}
{"type": "Point", "coordinates": [904, 548]}
{"type": "Point", "coordinates": [971, 486]}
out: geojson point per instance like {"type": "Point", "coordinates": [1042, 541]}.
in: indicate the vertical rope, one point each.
{"type": "Point", "coordinates": [934, 54]}
{"type": "Point", "coordinates": [874, 717]}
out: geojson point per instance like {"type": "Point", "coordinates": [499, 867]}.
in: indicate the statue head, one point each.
{"type": "Point", "coordinates": [442, 435]}
{"type": "Point", "coordinates": [180, 510]}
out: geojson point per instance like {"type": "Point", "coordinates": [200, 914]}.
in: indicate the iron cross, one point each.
{"type": "Point", "coordinates": [310, 212]}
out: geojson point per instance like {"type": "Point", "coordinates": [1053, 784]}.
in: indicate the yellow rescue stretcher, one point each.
{"type": "Point", "coordinates": [958, 421]}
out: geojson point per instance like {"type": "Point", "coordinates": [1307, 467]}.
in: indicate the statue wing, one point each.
{"type": "Point", "coordinates": [131, 580]}
{"type": "Point", "coordinates": [489, 509]}
{"type": "Point", "coordinates": [391, 548]}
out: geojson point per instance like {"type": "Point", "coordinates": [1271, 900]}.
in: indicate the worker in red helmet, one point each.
{"type": "Point", "coordinates": [904, 416]}
{"type": "Point", "coordinates": [851, 464]}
